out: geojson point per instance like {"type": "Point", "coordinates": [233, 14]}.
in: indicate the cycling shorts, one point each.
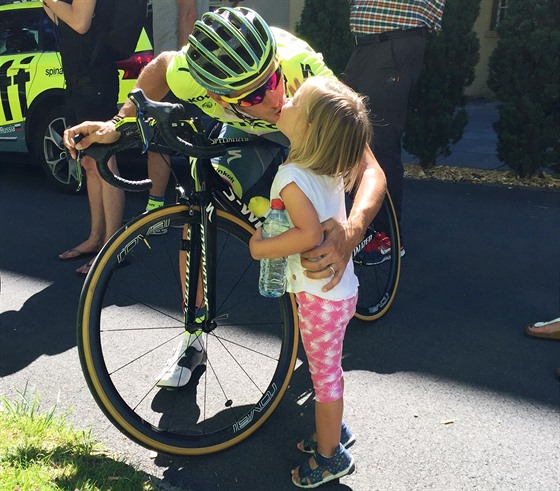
{"type": "Point", "coordinates": [251, 169]}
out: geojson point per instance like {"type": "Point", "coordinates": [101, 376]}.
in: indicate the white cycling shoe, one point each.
{"type": "Point", "coordinates": [178, 370]}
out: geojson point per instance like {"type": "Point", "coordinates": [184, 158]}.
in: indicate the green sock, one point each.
{"type": "Point", "coordinates": [154, 202]}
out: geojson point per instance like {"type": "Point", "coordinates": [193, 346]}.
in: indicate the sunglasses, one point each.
{"type": "Point", "coordinates": [257, 95]}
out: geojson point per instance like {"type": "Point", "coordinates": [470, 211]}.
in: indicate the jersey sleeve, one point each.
{"type": "Point", "coordinates": [181, 82]}
{"type": "Point", "coordinates": [299, 60]}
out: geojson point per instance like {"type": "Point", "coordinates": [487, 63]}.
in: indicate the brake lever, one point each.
{"type": "Point", "coordinates": [145, 128]}
{"type": "Point", "coordinates": [77, 162]}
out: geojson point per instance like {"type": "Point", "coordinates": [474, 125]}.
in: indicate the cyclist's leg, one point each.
{"type": "Point", "coordinates": [189, 353]}
{"type": "Point", "coordinates": [159, 165]}
{"type": "Point", "coordinates": [250, 171]}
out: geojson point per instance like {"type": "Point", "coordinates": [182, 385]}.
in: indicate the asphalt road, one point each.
{"type": "Point", "coordinates": [444, 393]}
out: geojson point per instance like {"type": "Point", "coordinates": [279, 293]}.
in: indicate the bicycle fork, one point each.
{"type": "Point", "coordinates": [199, 249]}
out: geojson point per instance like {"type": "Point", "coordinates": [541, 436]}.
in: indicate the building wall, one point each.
{"type": "Point", "coordinates": [282, 13]}
{"type": "Point", "coordinates": [286, 14]}
{"type": "Point", "coordinates": [488, 40]}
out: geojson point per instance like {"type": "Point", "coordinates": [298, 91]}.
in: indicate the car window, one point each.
{"type": "Point", "coordinates": [19, 30]}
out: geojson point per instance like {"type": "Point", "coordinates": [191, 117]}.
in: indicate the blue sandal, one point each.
{"type": "Point", "coordinates": [309, 445]}
{"type": "Point", "coordinates": [337, 466]}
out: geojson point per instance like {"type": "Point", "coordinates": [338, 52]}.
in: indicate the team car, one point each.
{"type": "Point", "coordinates": [32, 114]}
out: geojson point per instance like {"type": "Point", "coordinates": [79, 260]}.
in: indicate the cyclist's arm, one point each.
{"type": "Point", "coordinates": [367, 202]}
{"type": "Point", "coordinates": [342, 238]}
{"type": "Point", "coordinates": [152, 81]}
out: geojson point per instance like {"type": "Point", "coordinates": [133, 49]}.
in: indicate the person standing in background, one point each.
{"type": "Point", "coordinates": [92, 86]}
{"type": "Point", "coordinates": [389, 38]}
{"type": "Point", "coordinates": [168, 13]}
{"type": "Point", "coordinates": [180, 14]}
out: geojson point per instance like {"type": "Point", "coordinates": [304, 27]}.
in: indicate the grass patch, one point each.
{"type": "Point", "coordinates": [41, 451]}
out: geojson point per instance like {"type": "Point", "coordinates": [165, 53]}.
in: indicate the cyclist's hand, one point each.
{"type": "Point", "coordinates": [293, 87]}
{"type": "Point", "coordinates": [329, 259]}
{"type": "Point", "coordinates": [93, 132]}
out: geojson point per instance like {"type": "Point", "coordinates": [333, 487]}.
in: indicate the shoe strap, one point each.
{"type": "Point", "coordinates": [336, 462]}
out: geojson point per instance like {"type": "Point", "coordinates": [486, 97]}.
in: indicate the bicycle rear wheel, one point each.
{"type": "Point", "coordinates": [379, 278]}
{"type": "Point", "coordinates": [130, 320]}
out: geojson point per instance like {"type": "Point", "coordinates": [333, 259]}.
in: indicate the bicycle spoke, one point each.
{"type": "Point", "coordinates": [131, 327]}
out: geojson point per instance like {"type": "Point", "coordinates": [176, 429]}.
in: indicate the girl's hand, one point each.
{"type": "Point", "coordinates": [254, 242]}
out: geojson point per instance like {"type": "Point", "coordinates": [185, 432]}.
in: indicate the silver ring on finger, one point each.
{"type": "Point", "coordinates": [332, 269]}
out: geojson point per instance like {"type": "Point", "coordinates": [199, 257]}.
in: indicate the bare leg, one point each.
{"type": "Point", "coordinates": [328, 420]}
{"type": "Point", "coordinates": [106, 204]}
{"type": "Point", "coordinates": [112, 202]}
{"type": "Point", "coordinates": [158, 171]}
{"type": "Point", "coordinates": [97, 231]}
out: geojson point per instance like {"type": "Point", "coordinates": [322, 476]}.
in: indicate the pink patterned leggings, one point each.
{"type": "Point", "coordinates": [322, 324]}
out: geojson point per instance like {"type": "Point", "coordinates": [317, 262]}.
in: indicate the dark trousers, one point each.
{"type": "Point", "coordinates": [386, 72]}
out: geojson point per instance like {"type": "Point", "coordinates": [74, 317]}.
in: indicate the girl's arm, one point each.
{"type": "Point", "coordinates": [305, 234]}
{"type": "Point", "coordinates": [77, 15]}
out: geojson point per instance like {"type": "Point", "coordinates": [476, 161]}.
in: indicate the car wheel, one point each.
{"type": "Point", "coordinates": [59, 167]}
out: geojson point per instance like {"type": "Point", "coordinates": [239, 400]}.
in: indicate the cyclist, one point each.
{"type": "Point", "coordinates": [240, 71]}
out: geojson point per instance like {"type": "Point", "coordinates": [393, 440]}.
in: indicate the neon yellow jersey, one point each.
{"type": "Point", "coordinates": [298, 61]}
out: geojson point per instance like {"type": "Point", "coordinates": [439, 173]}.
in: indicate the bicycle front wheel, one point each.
{"type": "Point", "coordinates": [378, 272]}
{"type": "Point", "coordinates": [131, 319]}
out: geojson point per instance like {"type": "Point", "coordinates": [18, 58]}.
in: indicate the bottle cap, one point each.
{"type": "Point", "coordinates": [277, 204]}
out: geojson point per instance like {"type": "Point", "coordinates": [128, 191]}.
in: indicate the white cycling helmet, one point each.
{"type": "Point", "coordinates": [230, 49]}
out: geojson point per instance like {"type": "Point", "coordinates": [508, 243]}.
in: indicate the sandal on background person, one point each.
{"type": "Point", "coordinates": [544, 330]}
{"type": "Point", "coordinates": [76, 253]}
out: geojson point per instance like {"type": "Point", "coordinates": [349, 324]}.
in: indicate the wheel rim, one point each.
{"type": "Point", "coordinates": [379, 282]}
{"type": "Point", "coordinates": [247, 370]}
{"type": "Point", "coordinates": [55, 154]}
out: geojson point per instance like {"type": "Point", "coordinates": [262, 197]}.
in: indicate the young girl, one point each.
{"type": "Point", "coordinates": [328, 128]}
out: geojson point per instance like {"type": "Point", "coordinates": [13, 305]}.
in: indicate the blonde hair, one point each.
{"type": "Point", "coordinates": [337, 130]}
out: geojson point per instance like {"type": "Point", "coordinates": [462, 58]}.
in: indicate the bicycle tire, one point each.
{"type": "Point", "coordinates": [129, 319]}
{"type": "Point", "coordinates": [379, 282]}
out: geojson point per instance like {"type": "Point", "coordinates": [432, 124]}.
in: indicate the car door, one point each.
{"type": "Point", "coordinates": [19, 54]}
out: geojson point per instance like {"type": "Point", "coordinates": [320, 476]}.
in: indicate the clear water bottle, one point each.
{"type": "Point", "coordinates": [272, 278]}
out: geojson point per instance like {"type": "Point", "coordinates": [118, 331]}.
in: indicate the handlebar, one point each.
{"type": "Point", "coordinates": [102, 153]}
{"type": "Point", "coordinates": [165, 116]}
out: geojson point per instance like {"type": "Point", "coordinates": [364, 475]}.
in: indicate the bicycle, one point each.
{"type": "Point", "coordinates": [137, 300]}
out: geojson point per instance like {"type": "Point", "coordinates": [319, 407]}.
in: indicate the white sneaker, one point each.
{"type": "Point", "coordinates": [178, 370]}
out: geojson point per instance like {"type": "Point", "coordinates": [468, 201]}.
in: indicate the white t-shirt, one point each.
{"type": "Point", "coordinates": [327, 196]}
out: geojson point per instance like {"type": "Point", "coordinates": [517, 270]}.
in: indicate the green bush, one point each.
{"type": "Point", "coordinates": [436, 115]}
{"type": "Point", "coordinates": [524, 73]}
{"type": "Point", "coordinates": [325, 26]}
